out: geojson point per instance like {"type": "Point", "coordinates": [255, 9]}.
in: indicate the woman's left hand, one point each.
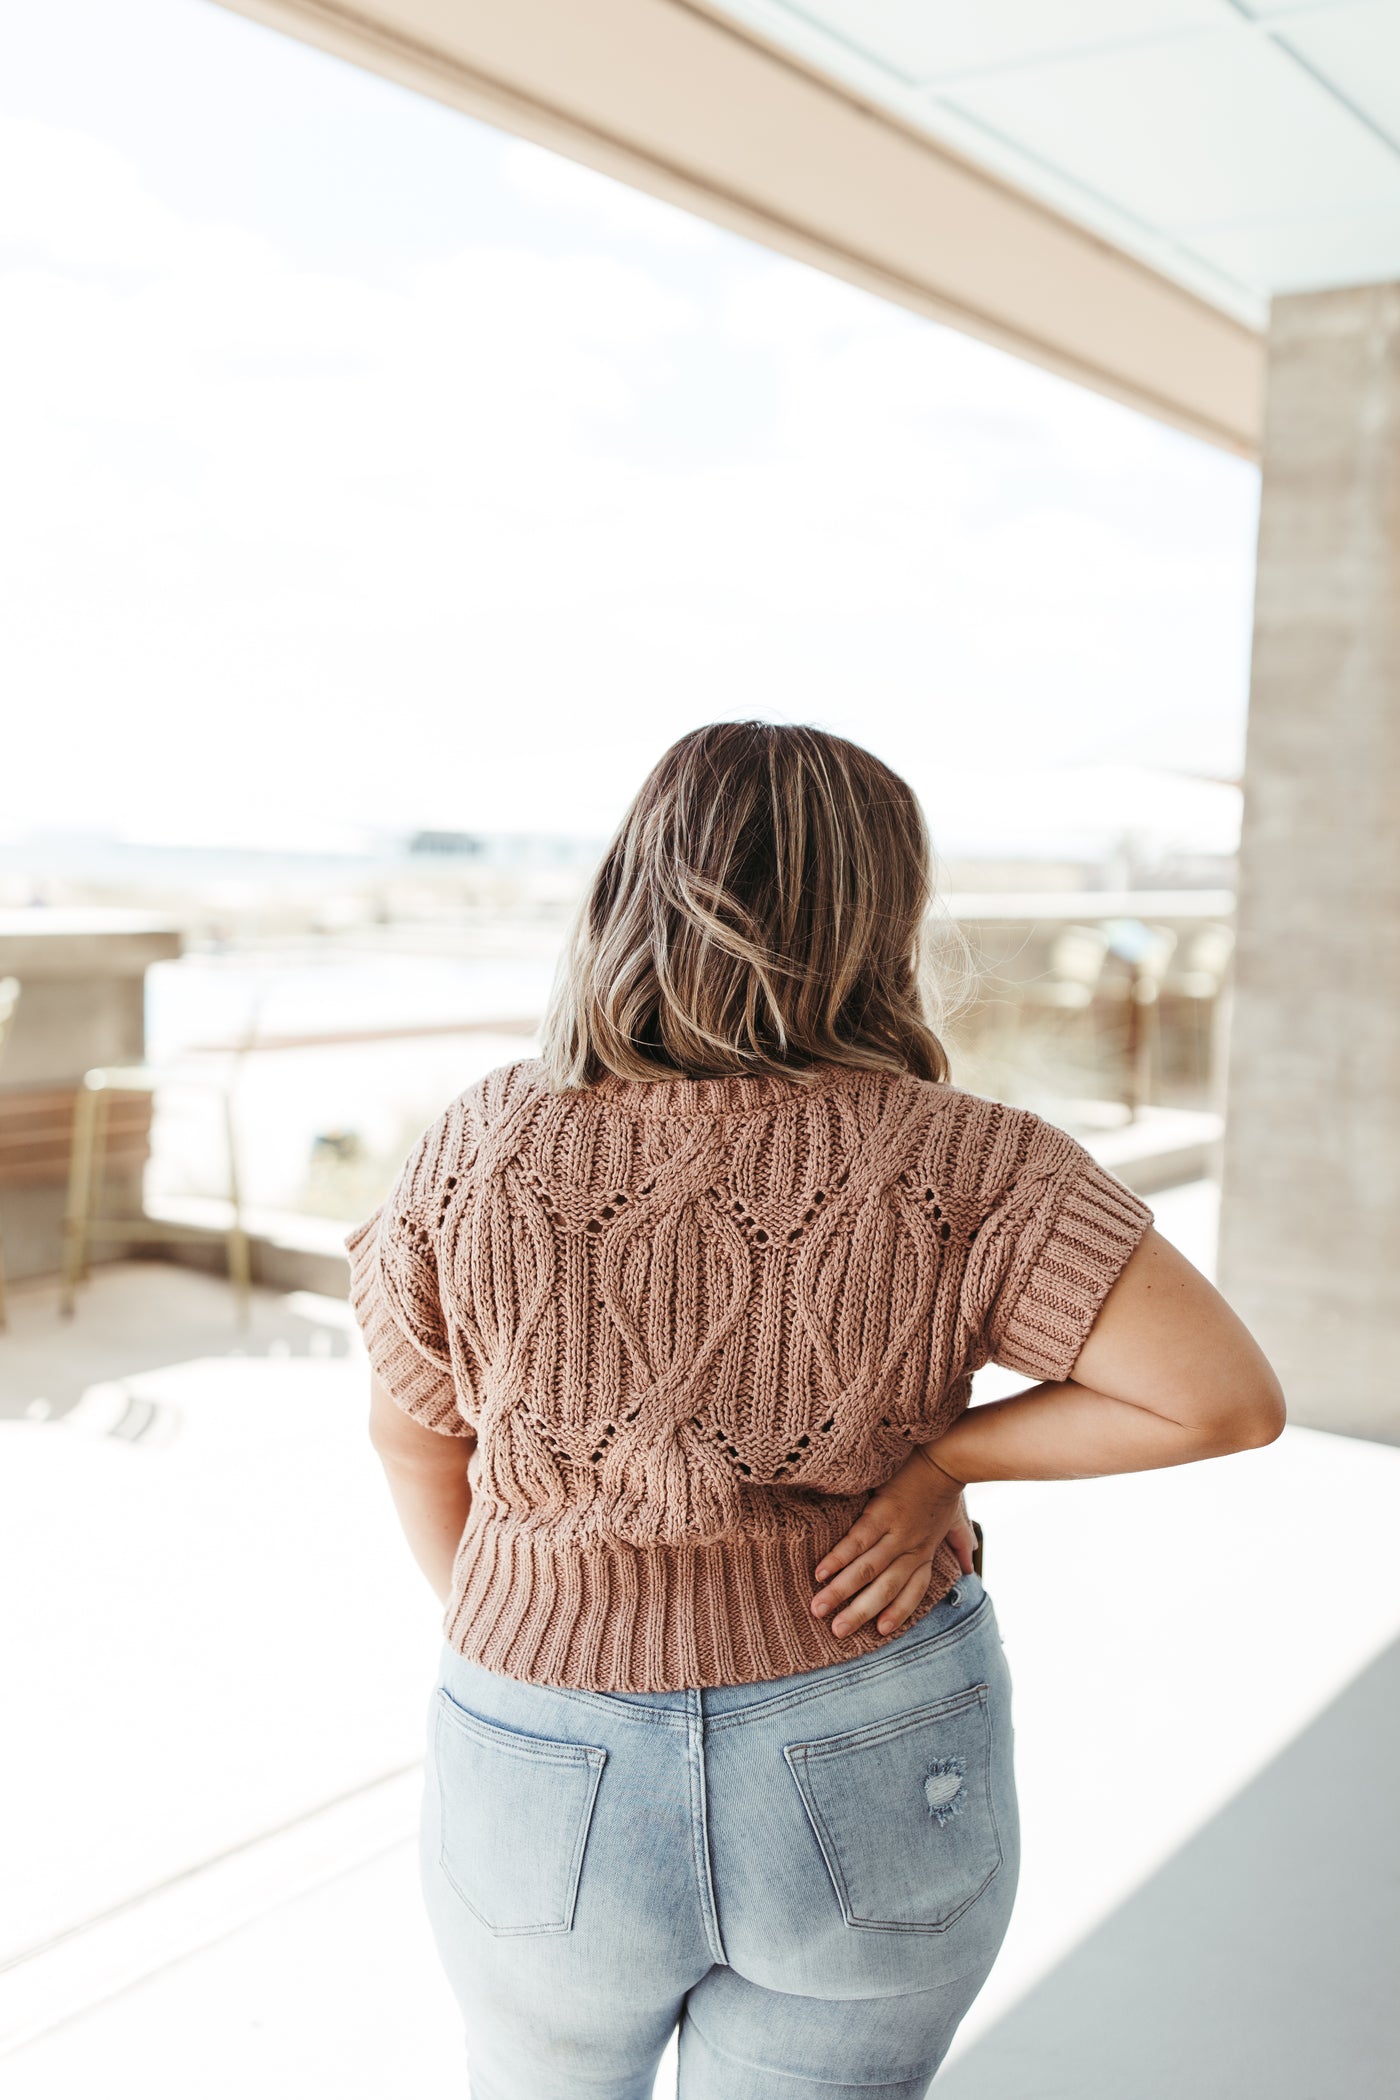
{"type": "Point", "coordinates": [883, 1565]}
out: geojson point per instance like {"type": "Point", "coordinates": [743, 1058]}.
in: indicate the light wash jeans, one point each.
{"type": "Point", "coordinates": [812, 1875]}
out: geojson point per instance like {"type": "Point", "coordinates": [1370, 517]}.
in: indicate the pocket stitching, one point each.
{"type": "Point", "coordinates": [513, 1741]}
{"type": "Point", "coordinates": [571, 1755]}
{"type": "Point", "coordinates": [875, 1732]}
{"type": "Point", "coordinates": [895, 1724]}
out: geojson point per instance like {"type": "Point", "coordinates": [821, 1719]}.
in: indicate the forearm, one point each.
{"type": "Point", "coordinates": [432, 1502]}
{"type": "Point", "coordinates": [1065, 1432]}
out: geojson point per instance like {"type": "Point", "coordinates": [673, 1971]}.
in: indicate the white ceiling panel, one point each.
{"type": "Point", "coordinates": [1206, 127]}
{"type": "Point", "coordinates": [922, 42]}
{"type": "Point", "coordinates": [1298, 255]}
{"type": "Point", "coordinates": [1356, 50]}
{"type": "Point", "coordinates": [1271, 10]}
{"type": "Point", "coordinates": [1246, 298]}
{"type": "Point", "coordinates": [1241, 146]}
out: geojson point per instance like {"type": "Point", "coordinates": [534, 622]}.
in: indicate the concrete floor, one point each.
{"type": "Point", "coordinates": [221, 1653]}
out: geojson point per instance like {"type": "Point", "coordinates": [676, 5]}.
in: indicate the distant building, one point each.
{"type": "Point", "coordinates": [456, 845]}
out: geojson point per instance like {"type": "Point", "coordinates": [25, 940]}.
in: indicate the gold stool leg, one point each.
{"type": "Point", "coordinates": [239, 1259]}
{"type": "Point", "coordinates": [101, 1109]}
{"type": "Point", "coordinates": [75, 1221]}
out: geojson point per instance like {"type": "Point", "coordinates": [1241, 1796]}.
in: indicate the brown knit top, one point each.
{"type": "Point", "coordinates": [692, 1323]}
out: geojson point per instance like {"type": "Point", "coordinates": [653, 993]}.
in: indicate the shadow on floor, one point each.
{"type": "Point", "coordinates": [1259, 1964]}
{"type": "Point", "coordinates": [137, 1317]}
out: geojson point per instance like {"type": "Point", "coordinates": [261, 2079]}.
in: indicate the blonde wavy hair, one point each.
{"type": "Point", "coordinates": [762, 908]}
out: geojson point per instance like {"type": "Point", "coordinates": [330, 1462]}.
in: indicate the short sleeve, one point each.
{"type": "Point", "coordinates": [1052, 1251]}
{"type": "Point", "coordinates": [395, 1298]}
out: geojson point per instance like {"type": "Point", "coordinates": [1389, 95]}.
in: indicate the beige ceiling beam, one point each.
{"type": "Point", "coordinates": [678, 102]}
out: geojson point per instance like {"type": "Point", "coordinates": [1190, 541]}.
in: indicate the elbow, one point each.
{"type": "Point", "coordinates": [1268, 1425]}
{"type": "Point", "coordinates": [1255, 1418]}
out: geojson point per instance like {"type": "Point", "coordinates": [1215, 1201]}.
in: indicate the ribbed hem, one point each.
{"type": "Point", "coordinates": [608, 1617]}
{"type": "Point", "coordinates": [1096, 1227]}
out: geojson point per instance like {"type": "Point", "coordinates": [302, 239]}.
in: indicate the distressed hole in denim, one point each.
{"type": "Point", "coordinates": [943, 1789]}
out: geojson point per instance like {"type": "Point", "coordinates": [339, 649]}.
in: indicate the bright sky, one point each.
{"type": "Point", "coordinates": [363, 467]}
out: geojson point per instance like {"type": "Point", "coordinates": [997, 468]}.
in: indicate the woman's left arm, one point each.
{"type": "Point", "coordinates": [427, 1476]}
{"type": "Point", "coordinates": [1167, 1375]}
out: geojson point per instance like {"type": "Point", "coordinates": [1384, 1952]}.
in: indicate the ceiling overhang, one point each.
{"type": "Point", "coordinates": [704, 113]}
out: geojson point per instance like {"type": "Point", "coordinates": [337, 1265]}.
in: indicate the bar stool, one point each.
{"type": "Point", "coordinates": [1200, 977]}
{"type": "Point", "coordinates": [1076, 963]}
{"type": "Point", "coordinates": [1147, 951]}
{"type": "Point", "coordinates": [85, 1221]}
{"type": "Point", "coordinates": [9, 1000]}
{"type": "Point", "coordinates": [1062, 1002]}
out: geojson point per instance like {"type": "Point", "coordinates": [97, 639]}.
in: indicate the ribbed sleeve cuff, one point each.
{"type": "Point", "coordinates": [1096, 1225]}
{"type": "Point", "coordinates": [416, 1382]}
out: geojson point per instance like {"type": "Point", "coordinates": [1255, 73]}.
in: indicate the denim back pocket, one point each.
{"type": "Point", "coordinates": [902, 1810]}
{"type": "Point", "coordinates": [516, 1811]}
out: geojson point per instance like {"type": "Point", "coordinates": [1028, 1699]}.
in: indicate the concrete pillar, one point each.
{"type": "Point", "coordinates": [1310, 1227]}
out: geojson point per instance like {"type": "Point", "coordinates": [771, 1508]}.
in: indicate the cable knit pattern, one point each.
{"type": "Point", "coordinates": [692, 1323]}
